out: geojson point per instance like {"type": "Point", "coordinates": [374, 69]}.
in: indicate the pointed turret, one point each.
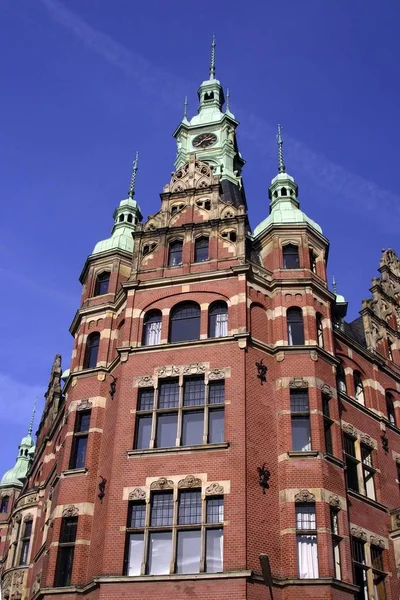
{"type": "Point", "coordinates": [283, 192]}
{"type": "Point", "coordinates": [26, 448]}
{"type": "Point", "coordinates": [126, 217]}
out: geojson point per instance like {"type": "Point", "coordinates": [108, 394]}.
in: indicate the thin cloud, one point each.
{"type": "Point", "coordinates": [347, 187]}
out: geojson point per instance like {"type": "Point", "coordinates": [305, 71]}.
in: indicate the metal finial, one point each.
{"type": "Point", "coordinates": [212, 64]}
{"type": "Point", "coordinates": [185, 105]}
{"type": "Point", "coordinates": [32, 418]}
{"type": "Point", "coordinates": [228, 99]}
{"type": "Point", "coordinates": [334, 284]}
{"type": "Point", "coordinates": [131, 192]}
{"type": "Point", "coordinates": [282, 168]}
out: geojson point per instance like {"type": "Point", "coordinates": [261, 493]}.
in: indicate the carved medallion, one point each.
{"type": "Point", "coordinates": [304, 496]}
{"type": "Point", "coordinates": [70, 511]}
{"type": "Point", "coordinates": [137, 494]}
{"type": "Point", "coordinates": [162, 484]}
{"type": "Point", "coordinates": [214, 489]}
{"type": "Point", "coordinates": [189, 482]}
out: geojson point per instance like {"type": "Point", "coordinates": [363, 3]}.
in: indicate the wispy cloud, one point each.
{"type": "Point", "coordinates": [16, 401]}
{"type": "Point", "coordinates": [347, 187]}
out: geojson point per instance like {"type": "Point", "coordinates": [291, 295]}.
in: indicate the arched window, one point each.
{"type": "Point", "coordinates": [341, 379]}
{"type": "Point", "coordinates": [102, 283]}
{"type": "Point", "coordinates": [320, 331]}
{"type": "Point", "coordinates": [25, 542]}
{"type": "Point", "coordinates": [313, 261]}
{"type": "Point", "coordinates": [185, 322]}
{"type": "Point", "coordinates": [92, 350]}
{"type": "Point", "coordinates": [152, 328]}
{"type": "Point", "coordinates": [175, 253]}
{"type": "Point", "coordinates": [295, 326]}
{"type": "Point", "coordinates": [358, 387]}
{"type": "Point", "coordinates": [390, 408]}
{"type": "Point", "coordinates": [201, 249]}
{"type": "Point", "coordinates": [290, 256]}
{"type": "Point", "coordinates": [121, 218]}
{"type": "Point", "coordinates": [218, 320]}
{"type": "Point", "coordinates": [130, 218]}
{"type": "Point", "coordinates": [4, 504]}
{"type": "Point", "coordinates": [283, 192]}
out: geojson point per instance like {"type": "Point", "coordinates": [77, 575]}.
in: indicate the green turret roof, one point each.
{"type": "Point", "coordinates": [16, 475]}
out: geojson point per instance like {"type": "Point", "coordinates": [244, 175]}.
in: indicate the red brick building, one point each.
{"type": "Point", "coordinates": [217, 407]}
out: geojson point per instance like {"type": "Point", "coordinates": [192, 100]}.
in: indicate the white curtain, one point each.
{"type": "Point", "coordinates": [136, 545]}
{"type": "Point", "coordinates": [360, 393]}
{"type": "Point", "coordinates": [307, 554]}
{"type": "Point", "coordinates": [221, 325]}
{"type": "Point", "coordinates": [153, 333]}
{"type": "Point", "coordinates": [290, 334]}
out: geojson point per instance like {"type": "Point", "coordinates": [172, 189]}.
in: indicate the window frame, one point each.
{"type": "Point", "coordinates": [172, 514]}
{"type": "Point", "coordinates": [5, 501]}
{"type": "Point", "coordinates": [390, 410]}
{"type": "Point", "coordinates": [212, 403]}
{"type": "Point", "coordinates": [293, 315]}
{"type": "Point", "coordinates": [25, 542]}
{"type": "Point", "coordinates": [213, 319]}
{"type": "Point", "coordinates": [368, 471]}
{"type": "Point", "coordinates": [100, 281]}
{"type": "Point", "coordinates": [298, 414]}
{"type": "Point", "coordinates": [306, 532]}
{"type": "Point", "coordinates": [65, 546]}
{"type": "Point", "coordinates": [352, 462]}
{"type": "Point", "coordinates": [288, 252]}
{"type": "Point", "coordinates": [175, 249]}
{"type": "Point", "coordinates": [146, 335]}
{"type": "Point", "coordinates": [320, 330]}
{"type": "Point", "coordinates": [90, 360]}
{"type": "Point", "coordinates": [200, 244]}
{"type": "Point", "coordinates": [336, 539]}
{"type": "Point", "coordinates": [195, 322]}
{"type": "Point", "coordinates": [79, 434]}
{"type": "Point", "coordinates": [359, 392]}
{"type": "Point", "coordinates": [328, 422]}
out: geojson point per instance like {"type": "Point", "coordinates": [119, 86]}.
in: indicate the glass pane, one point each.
{"type": "Point", "coordinates": [185, 323]}
{"type": "Point", "coordinates": [216, 433]}
{"type": "Point", "coordinates": [295, 334]}
{"type": "Point", "coordinates": [65, 560]}
{"type": "Point", "coordinates": [83, 421]}
{"type": "Point", "coordinates": [188, 555]}
{"type": "Point", "coordinates": [299, 400]}
{"type": "Point", "coordinates": [336, 559]}
{"type": "Point", "coordinates": [162, 509]}
{"type": "Point", "coordinates": [328, 437]}
{"type": "Point", "coordinates": [166, 430]}
{"type": "Point", "coordinates": [169, 394]}
{"type": "Point", "coordinates": [305, 516]}
{"type": "Point", "coordinates": [28, 529]}
{"type": "Point", "coordinates": [352, 474]}
{"type": "Point", "coordinates": [146, 399]}
{"type": "Point", "coordinates": [24, 553]}
{"type": "Point", "coordinates": [214, 550]}
{"type": "Point", "coordinates": [152, 333]}
{"type": "Point", "coordinates": [189, 507]}
{"type": "Point", "coordinates": [160, 550]}
{"type": "Point", "coordinates": [80, 452]}
{"type": "Point", "coordinates": [201, 250]}
{"type": "Point", "coordinates": [192, 428]}
{"type": "Point", "coordinates": [216, 394]}
{"type": "Point", "coordinates": [369, 484]}
{"type": "Point", "coordinates": [135, 553]}
{"type": "Point", "coordinates": [175, 254]}
{"type": "Point", "coordinates": [68, 530]}
{"type": "Point", "coordinates": [215, 510]}
{"type": "Point", "coordinates": [307, 556]}
{"type": "Point", "coordinates": [143, 432]}
{"type": "Point", "coordinates": [290, 257]}
{"type": "Point", "coordinates": [194, 391]}
{"type": "Point", "coordinates": [301, 437]}
{"type": "Point", "coordinates": [138, 514]}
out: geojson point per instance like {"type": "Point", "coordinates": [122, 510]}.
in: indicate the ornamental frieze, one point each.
{"type": "Point", "coordinates": [189, 482]}
{"type": "Point", "coordinates": [214, 489]}
{"type": "Point", "coordinates": [359, 533]}
{"type": "Point", "coordinates": [304, 496]}
{"type": "Point", "coordinates": [137, 494]}
{"type": "Point", "coordinates": [162, 484]}
{"type": "Point", "coordinates": [70, 511]}
{"type": "Point", "coordinates": [335, 502]}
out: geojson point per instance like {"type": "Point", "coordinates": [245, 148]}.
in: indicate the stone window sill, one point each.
{"type": "Point", "coordinates": [374, 503]}
{"type": "Point", "coordinates": [71, 472]}
{"type": "Point", "coordinates": [336, 461]}
{"type": "Point", "coordinates": [303, 454]}
{"type": "Point", "coordinates": [174, 449]}
{"type": "Point", "coordinates": [172, 577]}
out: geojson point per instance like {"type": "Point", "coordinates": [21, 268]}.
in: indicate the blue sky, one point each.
{"type": "Point", "coordinates": [86, 83]}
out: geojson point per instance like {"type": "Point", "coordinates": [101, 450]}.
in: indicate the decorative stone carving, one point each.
{"type": "Point", "coordinates": [304, 496]}
{"type": "Point", "coordinates": [17, 518]}
{"type": "Point", "coordinates": [314, 355]}
{"type": "Point", "coordinates": [84, 405]}
{"type": "Point", "coordinates": [70, 511]}
{"type": "Point", "coordinates": [398, 460]}
{"type": "Point", "coordinates": [216, 374]}
{"type": "Point", "coordinates": [359, 533]}
{"type": "Point", "coordinates": [7, 582]}
{"type": "Point", "coordinates": [168, 371]}
{"type": "Point", "coordinates": [162, 484]}
{"type": "Point", "coordinates": [28, 517]}
{"type": "Point", "coordinates": [194, 369]}
{"type": "Point", "coordinates": [326, 389]}
{"type": "Point", "coordinates": [298, 382]}
{"type": "Point", "coordinates": [137, 494]}
{"type": "Point", "coordinates": [367, 440]}
{"type": "Point", "coordinates": [189, 482]}
{"type": "Point", "coordinates": [280, 356]}
{"type": "Point", "coordinates": [397, 521]}
{"type": "Point", "coordinates": [145, 381]}
{"type": "Point", "coordinates": [18, 580]}
{"type": "Point", "coordinates": [36, 583]}
{"type": "Point", "coordinates": [349, 429]}
{"type": "Point", "coordinates": [214, 489]}
{"type": "Point", "coordinates": [375, 540]}
{"type": "Point", "coordinates": [65, 417]}
{"type": "Point", "coordinates": [335, 502]}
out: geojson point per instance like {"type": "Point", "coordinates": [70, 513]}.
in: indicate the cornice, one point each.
{"type": "Point", "coordinates": [98, 257]}
{"type": "Point", "coordinates": [83, 310]}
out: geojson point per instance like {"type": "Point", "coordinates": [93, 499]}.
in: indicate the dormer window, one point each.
{"type": "Point", "coordinates": [175, 253]}
{"type": "Point", "coordinates": [313, 261]}
{"type": "Point", "coordinates": [102, 283]}
{"type": "Point", "coordinates": [121, 218]}
{"type": "Point", "coordinates": [201, 249]}
{"type": "Point", "coordinates": [290, 256]}
{"type": "Point", "coordinates": [208, 96]}
{"type": "Point", "coordinates": [130, 218]}
{"type": "Point", "coordinates": [283, 192]}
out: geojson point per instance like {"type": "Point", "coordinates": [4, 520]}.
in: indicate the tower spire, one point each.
{"type": "Point", "coordinates": [185, 106]}
{"type": "Point", "coordinates": [212, 63]}
{"type": "Point", "coordinates": [228, 100]}
{"type": "Point", "coordinates": [30, 428]}
{"type": "Point", "coordinates": [334, 284]}
{"type": "Point", "coordinates": [281, 167]}
{"type": "Point", "coordinates": [131, 192]}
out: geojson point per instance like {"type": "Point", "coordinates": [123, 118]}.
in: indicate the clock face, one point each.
{"type": "Point", "coordinates": [204, 140]}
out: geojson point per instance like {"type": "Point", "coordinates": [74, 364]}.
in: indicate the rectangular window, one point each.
{"type": "Point", "coordinates": [306, 539]}
{"type": "Point", "coordinates": [300, 411]}
{"type": "Point", "coordinates": [80, 440]}
{"type": "Point", "coordinates": [327, 424]}
{"type": "Point", "coordinates": [378, 572]}
{"type": "Point", "coordinates": [25, 543]}
{"type": "Point", "coordinates": [360, 568]}
{"type": "Point", "coordinates": [65, 556]}
{"type": "Point", "coordinates": [336, 539]}
{"type": "Point", "coordinates": [368, 471]}
{"type": "Point", "coordinates": [184, 415]}
{"type": "Point", "coordinates": [177, 537]}
{"type": "Point", "coordinates": [351, 463]}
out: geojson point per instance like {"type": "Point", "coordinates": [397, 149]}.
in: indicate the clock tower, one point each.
{"type": "Point", "coordinates": [211, 134]}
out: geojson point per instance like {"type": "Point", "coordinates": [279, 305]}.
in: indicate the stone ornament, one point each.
{"type": "Point", "coordinates": [335, 502]}
{"type": "Point", "coordinates": [216, 374]}
{"type": "Point", "coordinates": [280, 356]}
{"type": "Point", "coordinates": [298, 382]}
{"type": "Point", "coordinates": [162, 484]}
{"type": "Point", "coordinates": [28, 517]}
{"type": "Point", "coordinates": [349, 429]}
{"type": "Point", "coordinates": [377, 541]}
{"type": "Point", "coordinates": [18, 518]}
{"type": "Point", "coordinates": [194, 369]}
{"type": "Point", "coordinates": [314, 355]}
{"type": "Point", "coordinates": [36, 584]}
{"type": "Point", "coordinates": [84, 405]}
{"type": "Point", "coordinates": [137, 494]}
{"type": "Point", "coordinates": [214, 489]}
{"type": "Point", "coordinates": [304, 496]}
{"type": "Point", "coordinates": [70, 511]}
{"type": "Point", "coordinates": [168, 371]}
{"type": "Point", "coordinates": [359, 533]}
{"type": "Point", "coordinates": [397, 521]}
{"type": "Point", "coordinates": [189, 482]}
{"type": "Point", "coordinates": [367, 440]}
{"type": "Point", "coordinates": [326, 389]}
{"type": "Point", "coordinates": [145, 381]}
